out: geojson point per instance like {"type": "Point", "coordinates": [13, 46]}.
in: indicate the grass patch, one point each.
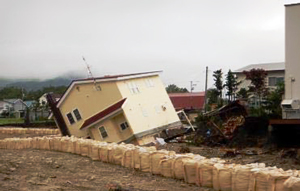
{"type": "Point", "coordinates": [4, 121]}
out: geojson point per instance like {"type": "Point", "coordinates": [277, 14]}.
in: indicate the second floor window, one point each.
{"type": "Point", "coordinates": [77, 114]}
{"type": "Point", "coordinates": [70, 118]}
{"type": "Point", "coordinates": [133, 87]}
{"type": "Point", "coordinates": [273, 81]}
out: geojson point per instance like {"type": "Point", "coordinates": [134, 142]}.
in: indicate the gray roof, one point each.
{"type": "Point", "coordinates": [266, 67]}
{"type": "Point", "coordinates": [292, 2]}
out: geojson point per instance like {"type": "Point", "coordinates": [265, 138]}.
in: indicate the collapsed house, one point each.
{"type": "Point", "coordinates": [129, 108]}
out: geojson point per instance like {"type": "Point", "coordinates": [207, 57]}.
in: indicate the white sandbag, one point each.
{"type": "Point", "coordinates": [156, 157]}
{"type": "Point", "coordinates": [222, 176]}
{"type": "Point", "coordinates": [3, 144]}
{"type": "Point", "coordinates": [277, 179]}
{"type": "Point", "coordinates": [27, 143]}
{"type": "Point", "coordinates": [241, 176]}
{"type": "Point", "coordinates": [110, 152]}
{"type": "Point", "coordinates": [57, 144]}
{"type": "Point", "coordinates": [64, 144]}
{"type": "Point", "coordinates": [178, 167]}
{"type": "Point", "coordinates": [145, 161]}
{"type": "Point", "coordinates": [166, 166]}
{"type": "Point", "coordinates": [44, 143]}
{"type": "Point", "coordinates": [84, 148]}
{"type": "Point", "coordinates": [118, 153]}
{"type": "Point", "coordinates": [11, 144]}
{"type": "Point", "coordinates": [260, 178]}
{"type": "Point", "coordinates": [94, 155]}
{"type": "Point", "coordinates": [127, 160]}
{"type": "Point", "coordinates": [19, 144]}
{"type": "Point", "coordinates": [77, 146]}
{"type": "Point", "coordinates": [292, 184]}
{"type": "Point", "coordinates": [205, 171]}
{"type": "Point", "coordinates": [35, 143]}
{"type": "Point", "coordinates": [190, 169]}
{"type": "Point", "coordinates": [136, 155]}
{"type": "Point", "coordinates": [103, 153]}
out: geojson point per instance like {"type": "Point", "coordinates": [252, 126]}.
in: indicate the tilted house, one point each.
{"type": "Point", "coordinates": [130, 108]}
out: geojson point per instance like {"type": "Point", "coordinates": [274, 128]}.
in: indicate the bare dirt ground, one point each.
{"type": "Point", "coordinates": [48, 170]}
{"type": "Point", "coordinates": [54, 171]}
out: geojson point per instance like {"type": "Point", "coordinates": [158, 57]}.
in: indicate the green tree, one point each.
{"type": "Point", "coordinates": [212, 96]}
{"type": "Point", "coordinates": [257, 86]}
{"type": "Point", "coordinates": [11, 93]}
{"type": "Point", "coordinates": [219, 84]}
{"type": "Point", "coordinates": [273, 101]}
{"type": "Point", "coordinates": [172, 88]}
{"type": "Point", "coordinates": [243, 93]}
{"type": "Point", "coordinates": [231, 85]}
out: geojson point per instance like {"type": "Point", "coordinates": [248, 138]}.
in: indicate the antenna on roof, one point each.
{"type": "Point", "coordinates": [90, 75]}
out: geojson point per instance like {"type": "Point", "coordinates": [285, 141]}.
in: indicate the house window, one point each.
{"type": "Point", "coordinates": [77, 114]}
{"type": "Point", "coordinates": [273, 81]}
{"type": "Point", "coordinates": [70, 118]}
{"type": "Point", "coordinates": [134, 89]}
{"type": "Point", "coordinates": [103, 132]}
{"type": "Point", "coordinates": [149, 83]}
{"type": "Point", "coordinates": [124, 125]}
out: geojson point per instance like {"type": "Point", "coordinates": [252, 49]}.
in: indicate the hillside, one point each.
{"type": "Point", "coordinates": [36, 84]}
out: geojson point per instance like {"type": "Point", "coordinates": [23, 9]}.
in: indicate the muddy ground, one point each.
{"type": "Point", "coordinates": [48, 170]}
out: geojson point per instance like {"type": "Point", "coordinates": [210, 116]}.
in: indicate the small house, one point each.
{"type": "Point", "coordinates": [121, 108]}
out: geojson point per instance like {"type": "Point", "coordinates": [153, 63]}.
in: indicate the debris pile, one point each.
{"type": "Point", "coordinates": [195, 169]}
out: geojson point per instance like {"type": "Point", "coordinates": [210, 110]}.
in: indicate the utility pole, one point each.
{"type": "Point", "coordinates": [205, 97]}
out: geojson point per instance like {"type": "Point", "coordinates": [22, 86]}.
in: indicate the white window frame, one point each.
{"type": "Point", "coordinates": [69, 119]}
{"type": "Point", "coordinates": [133, 87]}
{"type": "Point", "coordinates": [75, 115]}
{"type": "Point", "coordinates": [101, 133]}
{"type": "Point", "coordinates": [127, 126]}
{"type": "Point", "coordinates": [149, 82]}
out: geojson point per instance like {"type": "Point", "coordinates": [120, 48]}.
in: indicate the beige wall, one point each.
{"type": "Point", "coordinates": [113, 129]}
{"type": "Point", "coordinates": [89, 102]}
{"type": "Point", "coordinates": [144, 110]}
{"type": "Point", "coordinates": [292, 52]}
{"type": "Point", "coordinates": [245, 83]}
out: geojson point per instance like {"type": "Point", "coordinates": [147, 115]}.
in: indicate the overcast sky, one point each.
{"type": "Point", "coordinates": [47, 38]}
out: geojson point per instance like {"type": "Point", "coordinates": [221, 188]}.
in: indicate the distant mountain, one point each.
{"type": "Point", "coordinates": [35, 84]}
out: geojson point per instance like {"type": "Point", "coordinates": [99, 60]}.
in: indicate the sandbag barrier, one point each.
{"type": "Point", "coordinates": [36, 131]}
{"type": "Point", "coordinates": [194, 169]}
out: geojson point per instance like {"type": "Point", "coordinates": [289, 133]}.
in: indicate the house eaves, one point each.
{"type": "Point", "coordinates": [105, 79]}
{"type": "Point", "coordinates": [104, 114]}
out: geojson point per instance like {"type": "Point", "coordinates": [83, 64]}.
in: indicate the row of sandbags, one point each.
{"type": "Point", "coordinates": [194, 169]}
{"type": "Point", "coordinates": [37, 131]}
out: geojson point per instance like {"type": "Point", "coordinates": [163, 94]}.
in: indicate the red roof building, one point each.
{"type": "Point", "coordinates": [188, 101]}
